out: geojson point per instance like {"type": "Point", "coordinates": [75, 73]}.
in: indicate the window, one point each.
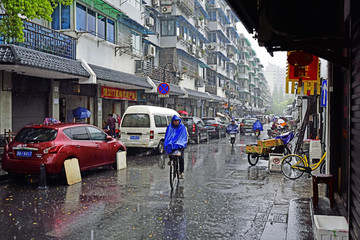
{"type": "Point", "coordinates": [91, 20]}
{"type": "Point", "coordinates": [136, 43]}
{"type": "Point", "coordinates": [80, 17]}
{"type": "Point", "coordinates": [110, 33]}
{"type": "Point", "coordinates": [160, 121]}
{"type": "Point", "coordinates": [77, 133]}
{"type": "Point", "coordinates": [163, 121]}
{"type": "Point", "coordinates": [101, 26]}
{"type": "Point", "coordinates": [36, 135]}
{"type": "Point", "coordinates": [94, 23]}
{"type": "Point", "coordinates": [157, 121]}
{"type": "Point", "coordinates": [61, 18]}
{"type": "Point", "coordinates": [167, 28]}
{"type": "Point", "coordinates": [96, 134]}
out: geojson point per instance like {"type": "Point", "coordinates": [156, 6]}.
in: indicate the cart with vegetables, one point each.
{"type": "Point", "coordinates": [279, 144]}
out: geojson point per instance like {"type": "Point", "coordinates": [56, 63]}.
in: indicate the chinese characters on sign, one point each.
{"type": "Point", "coordinates": [307, 77]}
{"type": "Point", "coordinates": [117, 93]}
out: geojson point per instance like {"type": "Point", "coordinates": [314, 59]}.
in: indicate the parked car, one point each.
{"type": "Point", "coordinates": [196, 128]}
{"type": "Point", "coordinates": [215, 127]}
{"type": "Point", "coordinates": [55, 143]}
{"type": "Point", "coordinates": [246, 125]}
{"type": "Point", "coordinates": [145, 126]}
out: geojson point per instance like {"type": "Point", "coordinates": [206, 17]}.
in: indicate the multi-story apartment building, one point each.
{"type": "Point", "coordinates": [108, 54]}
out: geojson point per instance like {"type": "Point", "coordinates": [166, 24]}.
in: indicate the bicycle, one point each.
{"type": "Point", "coordinates": [174, 167]}
{"type": "Point", "coordinates": [293, 166]}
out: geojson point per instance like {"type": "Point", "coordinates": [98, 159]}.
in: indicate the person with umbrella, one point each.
{"type": "Point", "coordinates": [111, 123]}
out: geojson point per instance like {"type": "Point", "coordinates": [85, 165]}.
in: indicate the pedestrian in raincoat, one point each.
{"type": "Point", "coordinates": [176, 139]}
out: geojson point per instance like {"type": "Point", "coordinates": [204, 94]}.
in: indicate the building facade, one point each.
{"type": "Point", "coordinates": [108, 55]}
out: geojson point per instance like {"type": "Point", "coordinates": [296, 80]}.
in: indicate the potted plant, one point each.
{"type": "Point", "coordinates": [184, 69]}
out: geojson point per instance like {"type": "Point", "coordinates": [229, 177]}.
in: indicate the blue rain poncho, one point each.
{"type": "Point", "coordinates": [257, 126]}
{"type": "Point", "coordinates": [232, 128]}
{"type": "Point", "coordinates": [175, 137]}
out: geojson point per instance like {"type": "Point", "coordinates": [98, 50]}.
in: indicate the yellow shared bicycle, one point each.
{"type": "Point", "coordinates": [293, 166]}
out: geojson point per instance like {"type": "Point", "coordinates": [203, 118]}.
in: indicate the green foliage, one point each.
{"type": "Point", "coordinates": [279, 107]}
{"type": "Point", "coordinates": [11, 25]}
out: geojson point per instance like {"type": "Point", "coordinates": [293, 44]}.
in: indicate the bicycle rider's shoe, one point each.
{"type": "Point", "coordinates": [181, 176]}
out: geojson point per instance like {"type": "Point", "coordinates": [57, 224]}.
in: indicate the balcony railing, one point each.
{"type": "Point", "coordinates": [47, 40]}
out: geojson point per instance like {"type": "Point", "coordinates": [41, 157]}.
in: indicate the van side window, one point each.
{"type": "Point", "coordinates": [157, 121]}
{"type": "Point", "coordinates": [163, 121]}
{"type": "Point", "coordinates": [169, 119]}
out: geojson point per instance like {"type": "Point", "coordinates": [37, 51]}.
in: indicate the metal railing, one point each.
{"type": "Point", "coordinates": [46, 40]}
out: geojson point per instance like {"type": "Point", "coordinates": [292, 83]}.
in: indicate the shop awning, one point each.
{"type": "Point", "coordinates": [121, 78]}
{"type": "Point", "coordinates": [135, 25]}
{"type": "Point", "coordinates": [105, 7]}
{"type": "Point", "coordinates": [216, 98]}
{"type": "Point", "coordinates": [35, 63]}
{"type": "Point", "coordinates": [197, 94]}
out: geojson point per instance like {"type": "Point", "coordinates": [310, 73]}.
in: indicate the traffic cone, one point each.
{"type": "Point", "coordinates": [42, 178]}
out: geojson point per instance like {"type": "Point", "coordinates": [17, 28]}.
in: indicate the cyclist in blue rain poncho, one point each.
{"type": "Point", "coordinates": [176, 139]}
{"type": "Point", "coordinates": [257, 125]}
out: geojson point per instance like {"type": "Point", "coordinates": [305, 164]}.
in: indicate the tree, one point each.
{"type": "Point", "coordinates": [11, 25]}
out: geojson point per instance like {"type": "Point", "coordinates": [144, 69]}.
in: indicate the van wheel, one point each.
{"type": "Point", "coordinates": [160, 147]}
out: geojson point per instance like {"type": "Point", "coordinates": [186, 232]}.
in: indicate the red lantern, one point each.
{"type": "Point", "coordinates": [299, 58]}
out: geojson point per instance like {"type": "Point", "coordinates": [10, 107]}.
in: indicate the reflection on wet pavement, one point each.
{"type": "Point", "coordinates": [221, 197]}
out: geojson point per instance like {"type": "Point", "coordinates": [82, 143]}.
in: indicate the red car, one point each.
{"type": "Point", "coordinates": [53, 144]}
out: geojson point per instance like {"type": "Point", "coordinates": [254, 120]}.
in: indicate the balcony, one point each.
{"type": "Point", "coordinates": [212, 89]}
{"type": "Point", "coordinates": [47, 40]}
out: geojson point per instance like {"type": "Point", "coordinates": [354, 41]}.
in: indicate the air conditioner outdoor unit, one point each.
{"type": "Point", "coordinates": [166, 9]}
{"type": "Point", "coordinates": [150, 21]}
{"type": "Point", "coordinates": [155, 3]}
{"type": "Point", "coordinates": [151, 51]}
{"type": "Point", "coordinates": [315, 152]}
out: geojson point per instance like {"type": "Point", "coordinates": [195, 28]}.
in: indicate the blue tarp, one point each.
{"type": "Point", "coordinates": [286, 137]}
{"type": "Point", "coordinates": [175, 136]}
{"type": "Point", "coordinates": [81, 113]}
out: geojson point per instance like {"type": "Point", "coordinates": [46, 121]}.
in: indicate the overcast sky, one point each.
{"type": "Point", "coordinates": [261, 52]}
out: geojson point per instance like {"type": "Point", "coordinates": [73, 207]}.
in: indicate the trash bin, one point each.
{"type": "Point", "coordinates": [331, 227]}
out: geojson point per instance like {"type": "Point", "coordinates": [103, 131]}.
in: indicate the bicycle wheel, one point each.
{"type": "Point", "coordinates": [253, 159]}
{"type": "Point", "coordinates": [173, 171]}
{"type": "Point", "coordinates": [290, 166]}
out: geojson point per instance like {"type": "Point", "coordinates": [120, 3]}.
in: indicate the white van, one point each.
{"type": "Point", "coordinates": [145, 126]}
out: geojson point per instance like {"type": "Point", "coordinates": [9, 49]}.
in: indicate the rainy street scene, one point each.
{"type": "Point", "coordinates": [187, 119]}
{"type": "Point", "coordinates": [220, 197]}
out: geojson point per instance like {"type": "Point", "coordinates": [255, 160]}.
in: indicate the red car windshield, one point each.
{"type": "Point", "coordinates": [36, 135]}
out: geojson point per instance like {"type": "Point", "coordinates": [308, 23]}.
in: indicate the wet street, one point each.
{"type": "Point", "coordinates": [221, 197]}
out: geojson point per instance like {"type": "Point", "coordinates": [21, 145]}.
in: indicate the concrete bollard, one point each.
{"type": "Point", "coordinates": [42, 178]}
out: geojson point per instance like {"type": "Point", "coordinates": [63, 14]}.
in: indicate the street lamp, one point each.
{"type": "Point", "coordinates": [175, 74]}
